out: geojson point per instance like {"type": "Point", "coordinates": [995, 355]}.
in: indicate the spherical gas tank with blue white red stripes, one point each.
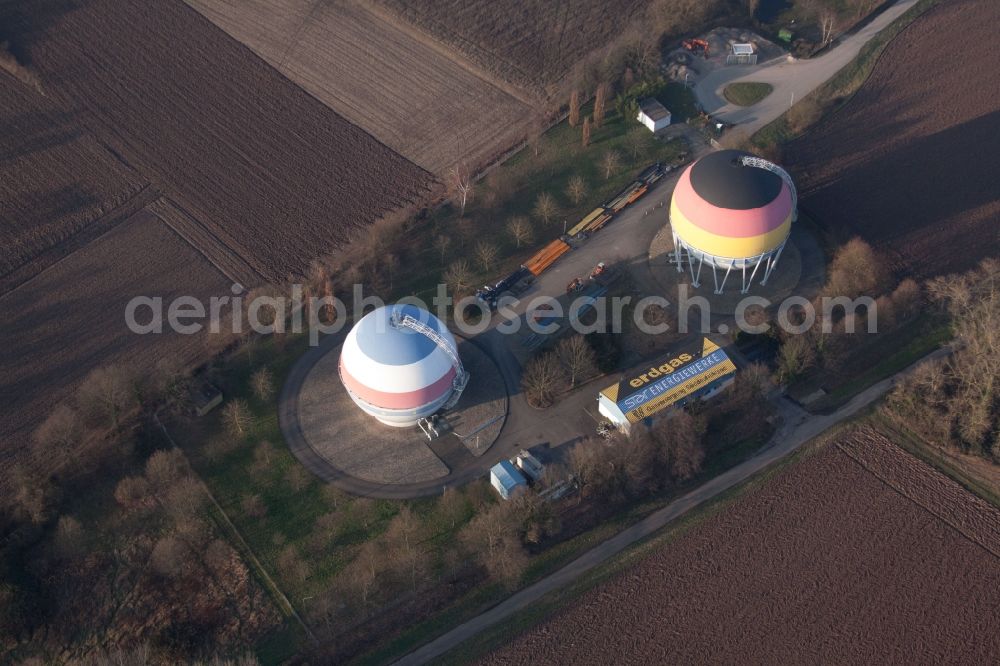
{"type": "Point", "coordinates": [395, 373]}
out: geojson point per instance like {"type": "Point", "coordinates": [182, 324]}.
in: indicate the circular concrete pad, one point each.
{"type": "Point", "coordinates": [358, 445]}
{"type": "Point", "coordinates": [786, 280]}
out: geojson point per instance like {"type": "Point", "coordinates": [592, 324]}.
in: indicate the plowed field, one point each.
{"type": "Point", "coordinates": [55, 181]}
{"type": "Point", "coordinates": [69, 319]}
{"type": "Point", "coordinates": [277, 176]}
{"type": "Point", "coordinates": [910, 163]}
{"type": "Point", "coordinates": [424, 103]}
{"type": "Point", "coordinates": [857, 554]}
{"type": "Point", "coordinates": [532, 45]}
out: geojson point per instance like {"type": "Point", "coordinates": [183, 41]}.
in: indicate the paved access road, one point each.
{"type": "Point", "coordinates": [798, 428]}
{"type": "Point", "coordinates": [791, 79]}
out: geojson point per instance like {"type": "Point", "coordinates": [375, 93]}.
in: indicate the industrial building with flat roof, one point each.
{"type": "Point", "coordinates": [697, 372]}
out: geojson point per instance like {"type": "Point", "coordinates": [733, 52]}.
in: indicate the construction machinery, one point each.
{"type": "Point", "coordinates": [696, 46]}
{"type": "Point", "coordinates": [514, 284]}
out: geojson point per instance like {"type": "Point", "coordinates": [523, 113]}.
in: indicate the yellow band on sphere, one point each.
{"type": "Point", "coordinates": [727, 246]}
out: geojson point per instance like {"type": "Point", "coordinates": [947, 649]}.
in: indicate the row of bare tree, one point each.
{"type": "Point", "coordinates": [955, 402]}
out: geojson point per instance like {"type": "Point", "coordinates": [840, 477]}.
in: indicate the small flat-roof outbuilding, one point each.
{"type": "Point", "coordinates": [653, 115]}
{"type": "Point", "coordinates": [507, 479]}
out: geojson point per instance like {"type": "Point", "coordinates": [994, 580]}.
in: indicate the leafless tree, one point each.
{"type": "Point", "coordinates": [536, 130]}
{"type": "Point", "coordinates": [458, 276]}
{"type": "Point", "coordinates": [185, 498]}
{"type": "Point", "coordinates": [856, 270]}
{"type": "Point", "coordinates": [520, 231]}
{"type": "Point", "coordinates": [163, 468]}
{"type": "Point", "coordinates": [597, 474]}
{"type": "Point", "coordinates": [70, 538]}
{"type": "Point", "coordinates": [365, 511]}
{"type": "Point", "coordinates": [452, 505]}
{"type": "Point", "coordinates": [106, 393]}
{"type": "Point", "coordinates": [585, 138]}
{"type": "Point", "coordinates": [578, 357]}
{"type": "Point", "coordinates": [253, 506]}
{"type": "Point", "coordinates": [907, 299]}
{"type": "Point", "coordinates": [335, 497]}
{"type": "Point", "coordinates": [36, 497]}
{"type": "Point", "coordinates": [362, 574]}
{"type": "Point", "coordinates": [461, 184]}
{"type": "Point", "coordinates": [263, 456]}
{"type": "Point", "coordinates": [795, 356]}
{"type": "Point", "coordinates": [637, 140]}
{"type": "Point", "coordinates": [134, 492]}
{"type": "Point", "coordinates": [600, 102]}
{"type": "Point", "coordinates": [492, 536]}
{"type": "Point", "coordinates": [59, 434]}
{"type": "Point", "coordinates": [407, 556]}
{"type": "Point", "coordinates": [679, 439]}
{"type": "Point", "coordinates": [170, 557]}
{"type": "Point", "coordinates": [576, 189]}
{"type": "Point", "coordinates": [542, 378]}
{"type": "Point", "coordinates": [545, 207]}
{"type": "Point", "coordinates": [292, 566]}
{"type": "Point", "coordinates": [574, 108]}
{"type": "Point", "coordinates": [262, 383]}
{"type": "Point", "coordinates": [442, 243]}
{"type": "Point", "coordinates": [486, 254]}
{"type": "Point", "coordinates": [297, 478]}
{"type": "Point", "coordinates": [237, 417]}
{"type": "Point", "coordinates": [826, 19]}
{"type": "Point", "coordinates": [611, 162]}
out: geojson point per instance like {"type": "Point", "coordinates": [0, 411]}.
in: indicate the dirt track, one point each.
{"type": "Point", "coordinates": [826, 562]}
{"type": "Point", "coordinates": [274, 173]}
{"type": "Point", "coordinates": [910, 162]}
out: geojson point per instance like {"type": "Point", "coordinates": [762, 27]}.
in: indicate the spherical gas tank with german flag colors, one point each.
{"type": "Point", "coordinates": [725, 209]}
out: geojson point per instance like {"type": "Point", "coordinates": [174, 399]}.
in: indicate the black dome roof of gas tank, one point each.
{"type": "Point", "coordinates": [721, 179]}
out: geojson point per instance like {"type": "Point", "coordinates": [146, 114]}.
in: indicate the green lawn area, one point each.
{"type": "Point", "coordinates": [747, 93]}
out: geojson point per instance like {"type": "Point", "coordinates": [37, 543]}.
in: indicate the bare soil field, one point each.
{"type": "Point", "coordinates": [277, 176]}
{"type": "Point", "coordinates": [859, 553]}
{"type": "Point", "coordinates": [55, 181]}
{"type": "Point", "coordinates": [69, 319]}
{"type": "Point", "coordinates": [532, 46]}
{"type": "Point", "coordinates": [425, 105]}
{"type": "Point", "coordinates": [910, 162]}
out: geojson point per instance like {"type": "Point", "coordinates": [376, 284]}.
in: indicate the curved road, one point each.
{"type": "Point", "coordinates": [791, 79]}
{"type": "Point", "coordinates": [798, 427]}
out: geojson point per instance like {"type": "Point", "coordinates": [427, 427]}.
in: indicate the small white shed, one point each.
{"type": "Point", "coordinates": [653, 115]}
